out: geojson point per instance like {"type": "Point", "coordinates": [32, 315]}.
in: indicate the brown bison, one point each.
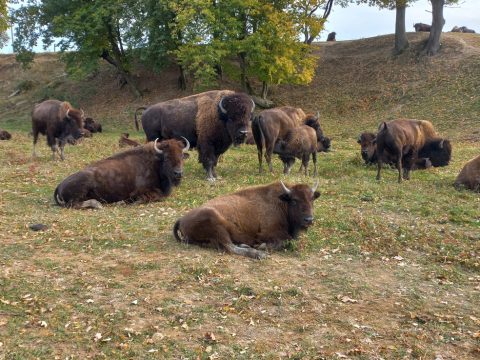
{"type": "Point", "coordinates": [272, 125]}
{"type": "Point", "coordinates": [211, 121]}
{"type": "Point", "coordinates": [5, 135]}
{"type": "Point", "coordinates": [92, 126]}
{"type": "Point", "coordinates": [126, 142]}
{"type": "Point", "coordinates": [469, 177]}
{"type": "Point", "coordinates": [331, 36]}
{"type": "Point", "coordinates": [463, 29]}
{"type": "Point", "coordinates": [300, 142]}
{"type": "Point", "coordinates": [59, 121]}
{"type": "Point", "coordinates": [141, 174]}
{"type": "Point", "coordinates": [248, 220]}
{"type": "Point", "coordinates": [403, 141]}
{"type": "Point", "coordinates": [422, 27]}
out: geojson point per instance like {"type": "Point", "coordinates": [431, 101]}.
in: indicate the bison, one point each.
{"type": "Point", "coordinates": [142, 174]}
{"type": "Point", "coordinates": [59, 121]}
{"type": "Point", "coordinates": [126, 142]}
{"type": "Point", "coordinates": [211, 121]}
{"type": "Point", "coordinates": [272, 125]}
{"type": "Point", "coordinates": [300, 142]}
{"type": "Point", "coordinates": [5, 135]}
{"type": "Point", "coordinates": [331, 36]}
{"type": "Point", "coordinates": [469, 177]}
{"type": "Point", "coordinates": [250, 220]}
{"type": "Point", "coordinates": [463, 29]}
{"type": "Point", "coordinates": [403, 141]}
{"type": "Point", "coordinates": [92, 126]}
{"type": "Point", "coordinates": [422, 27]}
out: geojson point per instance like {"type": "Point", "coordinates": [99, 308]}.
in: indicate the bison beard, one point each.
{"type": "Point", "coordinates": [142, 174]}
{"type": "Point", "coordinates": [250, 220]}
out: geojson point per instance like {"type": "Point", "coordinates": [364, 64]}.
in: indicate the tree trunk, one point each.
{"type": "Point", "coordinates": [433, 44]}
{"type": "Point", "coordinates": [401, 41]}
{"type": "Point", "coordinates": [182, 78]}
{"type": "Point", "coordinates": [264, 90]}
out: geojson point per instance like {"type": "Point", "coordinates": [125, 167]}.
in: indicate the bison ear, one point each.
{"type": "Point", "coordinates": [316, 195]}
{"type": "Point", "coordinates": [441, 144]}
{"type": "Point", "coordinates": [186, 155]}
{"type": "Point", "coordinates": [285, 197]}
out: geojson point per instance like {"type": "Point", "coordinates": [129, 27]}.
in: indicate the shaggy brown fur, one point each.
{"type": "Point", "coordinates": [5, 135]}
{"type": "Point", "coordinates": [126, 142]}
{"type": "Point", "coordinates": [92, 126]}
{"type": "Point", "coordinates": [59, 121]}
{"type": "Point", "coordinates": [300, 142]}
{"type": "Point", "coordinates": [399, 141]}
{"type": "Point", "coordinates": [144, 173]}
{"type": "Point", "coordinates": [260, 216]}
{"type": "Point", "coordinates": [469, 177]}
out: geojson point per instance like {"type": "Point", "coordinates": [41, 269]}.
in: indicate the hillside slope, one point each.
{"type": "Point", "coordinates": [358, 83]}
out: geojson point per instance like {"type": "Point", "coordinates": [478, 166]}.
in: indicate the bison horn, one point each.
{"type": "Point", "coordinates": [158, 151]}
{"type": "Point", "coordinates": [287, 190]}
{"type": "Point", "coordinates": [83, 113]}
{"type": "Point", "coordinates": [315, 186]}
{"type": "Point", "coordinates": [187, 146]}
{"type": "Point", "coordinates": [253, 105]}
{"type": "Point", "coordinates": [441, 144]}
{"type": "Point", "coordinates": [318, 115]}
{"type": "Point", "coordinates": [222, 109]}
{"type": "Point", "coordinates": [68, 116]}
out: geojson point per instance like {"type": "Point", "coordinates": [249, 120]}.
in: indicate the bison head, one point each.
{"type": "Point", "coordinates": [299, 199]}
{"type": "Point", "coordinates": [323, 143]}
{"type": "Point", "coordinates": [72, 127]}
{"type": "Point", "coordinates": [171, 153]}
{"type": "Point", "coordinates": [439, 151]}
{"type": "Point", "coordinates": [236, 111]}
{"type": "Point", "coordinates": [368, 147]}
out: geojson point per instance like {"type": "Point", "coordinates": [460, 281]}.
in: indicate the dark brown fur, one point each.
{"type": "Point", "coordinates": [138, 174]}
{"type": "Point", "coordinates": [469, 176]}
{"type": "Point", "coordinates": [59, 121]}
{"type": "Point", "coordinates": [126, 142]}
{"type": "Point", "coordinates": [400, 142]}
{"type": "Point", "coordinates": [199, 119]}
{"type": "Point", "coordinates": [5, 135]}
{"type": "Point", "coordinates": [260, 216]}
{"type": "Point", "coordinates": [331, 36]}
{"type": "Point", "coordinates": [422, 27]}
{"type": "Point", "coordinates": [92, 126]}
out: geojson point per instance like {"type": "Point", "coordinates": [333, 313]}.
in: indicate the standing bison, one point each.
{"type": "Point", "coordinates": [256, 217]}
{"type": "Point", "coordinates": [469, 177]}
{"type": "Point", "coordinates": [59, 121]}
{"type": "Point", "coordinates": [211, 121]}
{"type": "Point", "coordinates": [402, 142]}
{"type": "Point", "coordinates": [422, 27]}
{"type": "Point", "coordinates": [145, 173]}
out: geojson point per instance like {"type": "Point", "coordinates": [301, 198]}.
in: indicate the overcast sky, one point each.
{"type": "Point", "coordinates": [361, 21]}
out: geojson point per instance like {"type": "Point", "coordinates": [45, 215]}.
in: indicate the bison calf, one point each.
{"type": "Point", "coordinates": [124, 141]}
{"type": "Point", "coordinates": [300, 143]}
{"type": "Point", "coordinates": [469, 177]}
{"type": "Point", "coordinates": [145, 173]}
{"type": "Point", "coordinates": [92, 126]}
{"type": "Point", "coordinates": [248, 220]}
{"type": "Point", "coordinates": [5, 135]}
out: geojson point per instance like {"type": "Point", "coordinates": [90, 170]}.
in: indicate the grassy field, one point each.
{"type": "Point", "coordinates": [387, 270]}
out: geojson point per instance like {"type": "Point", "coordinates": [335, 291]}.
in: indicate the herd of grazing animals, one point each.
{"type": "Point", "coordinates": [251, 220]}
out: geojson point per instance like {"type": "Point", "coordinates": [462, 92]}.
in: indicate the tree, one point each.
{"type": "Point", "coordinates": [433, 43]}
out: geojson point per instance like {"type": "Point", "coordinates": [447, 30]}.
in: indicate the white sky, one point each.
{"type": "Point", "coordinates": [362, 21]}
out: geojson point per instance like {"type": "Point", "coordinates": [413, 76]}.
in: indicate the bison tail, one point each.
{"type": "Point", "coordinates": [136, 120]}
{"type": "Point", "coordinates": [177, 232]}
{"type": "Point", "coordinates": [257, 131]}
{"type": "Point", "coordinates": [58, 199]}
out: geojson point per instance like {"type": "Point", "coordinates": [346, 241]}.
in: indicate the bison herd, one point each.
{"type": "Point", "coordinates": [251, 220]}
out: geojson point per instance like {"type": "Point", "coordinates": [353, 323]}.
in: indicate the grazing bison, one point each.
{"type": "Point", "coordinates": [469, 177]}
{"type": "Point", "coordinates": [331, 36]}
{"type": "Point", "coordinates": [92, 126]}
{"type": "Point", "coordinates": [403, 141]}
{"type": "Point", "coordinates": [300, 142]}
{"type": "Point", "coordinates": [59, 121]}
{"type": "Point", "coordinates": [272, 125]}
{"type": "Point", "coordinates": [422, 27]}
{"type": "Point", "coordinates": [5, 135]}
{"type": "Point", "coordinates": [256, 217]}
{"type": "Point", "coordinates": [141, 174]}
{"type": "Point", "coordinates": [211, 121]}
{"type": "Point", "coordinates": [126, 142]}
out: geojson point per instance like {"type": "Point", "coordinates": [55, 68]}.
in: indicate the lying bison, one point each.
{"type": "Point", "coordinates": [300, 143]}
{"type": "Point", "coordinates": [5, 135]}
{"type": "Point", "coordinates": [403, 141]}
{"type": "Point", "coordinates": [92, 126]}
{"type": "Point", "coordinates": [463, 29]}
{"type": "Point", "coordinates": [59, 121]}
{"type": "Point", "coordinates": [211, 121]}
{"type": "Point", "coordinates": [256, 217]}
{"type": "Point", "coordinates": [124, 141]}
{"type": "Point", "coordinates": [422, 27]}
{"type": "Point", "coordinates": [272, 125]}
{"type": "Point", "coordinates": [469, 177]}
{"type": "Point", "coordinates": [141, 174]}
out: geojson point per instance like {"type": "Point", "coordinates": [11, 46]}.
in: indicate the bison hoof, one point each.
{"type": "Point", "coordinates": [91, 204]}
{"type": "Point", "coordinates": [260, 255]}
{"type": "Point", "coordinates": [211, 179]}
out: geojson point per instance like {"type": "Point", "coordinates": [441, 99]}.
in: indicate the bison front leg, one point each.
{"type": "Point", "coordinates": [314, 157]}
{"type": "Point", "coordinates": [305, 161]}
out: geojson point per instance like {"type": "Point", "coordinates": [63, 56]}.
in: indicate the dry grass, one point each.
{"type": "Point", "coordinates": [387, 271]}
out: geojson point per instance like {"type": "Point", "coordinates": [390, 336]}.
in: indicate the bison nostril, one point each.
{"type": "Point", "coordinates": [178, 173]}
{"type": "Point", "coordinates": [308, 219]}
